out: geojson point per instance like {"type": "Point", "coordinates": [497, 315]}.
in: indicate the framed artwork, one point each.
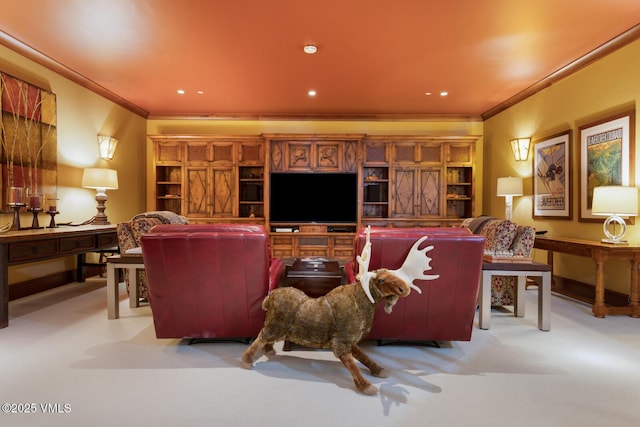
{"type": "Point", "coordinates": [606, 158]}
{"type": "Point", "coordinates": [552, 177]}
{"type": "Point", "coordinates": [28, 141]}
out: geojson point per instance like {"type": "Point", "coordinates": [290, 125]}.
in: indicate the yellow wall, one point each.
{"type": "Point", "coordinates": [82, 115]}
{"type": "Point", "coordinates": [606, 87]}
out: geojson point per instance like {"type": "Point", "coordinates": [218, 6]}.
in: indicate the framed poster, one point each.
{"type": "Point", "coordinates": [552, 177]}
{"type": "Point", "coordinates": [606, 158]}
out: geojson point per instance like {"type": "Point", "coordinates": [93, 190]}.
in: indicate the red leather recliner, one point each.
{"type": "Point", "coordinates": [208, 281]}
{"type": "Point", "coordinates": [446, 308]}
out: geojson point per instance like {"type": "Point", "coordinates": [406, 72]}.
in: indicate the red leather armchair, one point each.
{"type": "Point", "coordinates": [446, 308]}
{"type": "Point", "coordinates": [208, 281]}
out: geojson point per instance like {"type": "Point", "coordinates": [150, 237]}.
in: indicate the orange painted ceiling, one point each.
{"type": "Point", "coordinates": [375, 57]}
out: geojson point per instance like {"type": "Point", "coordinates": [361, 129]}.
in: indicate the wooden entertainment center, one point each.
{"type": "Point", "coordinates": [402, 181]}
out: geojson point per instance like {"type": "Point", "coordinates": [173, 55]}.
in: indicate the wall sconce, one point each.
{"type": "Point", "coordinates": [615, 200]}
{"type": "Point", "coordinates": [102, 180]}
{"type": "Point", "coordinates": [107, 146]}
{"type": "Point", "coordinates": [509, 187]}
{"type": "Point", "coordinates": [520, 147]}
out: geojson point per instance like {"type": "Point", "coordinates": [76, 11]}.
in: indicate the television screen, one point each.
{"type": "Point", "coordinates": [313, 197]}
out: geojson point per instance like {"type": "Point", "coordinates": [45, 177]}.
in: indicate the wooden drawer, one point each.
{"type": "Point", "coordinates": [31, 251]}
{"type": "Point", "coordinates": [313, 241]}
{"type": "Point", "coordinates": [313, 228]}
{"type": "Point", "coordinates": [71, 245]}
{"type": "Point", "coordinates": [281, 240]}
{"type": "Point", "coordinates": [343, 253]}
{"type": "Point", "coordinates": [313, 251]}
{"type": "Point", "coordinates": [343, 242]}
{"type": "Point", "coordinates": [282, 252]}
{"type": "Point", "coordinates": [107, 240]}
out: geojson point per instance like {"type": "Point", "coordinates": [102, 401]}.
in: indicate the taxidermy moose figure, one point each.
{"type": "Point", "coordinates": [341, 318]}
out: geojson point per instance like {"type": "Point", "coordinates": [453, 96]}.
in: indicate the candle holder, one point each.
{"type": "Point", "coordinates": [52, 213]}
{"type": "Point", "coordinates": [34, 223]}
{"type": "Point", "coordinates": [16, 215]}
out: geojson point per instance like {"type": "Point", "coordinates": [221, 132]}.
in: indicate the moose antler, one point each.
{"type": "Point", "coordinates": [364, 275]}
{"type": "Point", "coordinates": [414, 267]}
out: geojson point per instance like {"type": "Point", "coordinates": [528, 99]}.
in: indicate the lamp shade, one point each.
{"type": "Point", "coordinates": [100, 178]}
{"type": "Point", "coordinates": [509, 186]}
{"type": "Point", "coordinates": [615, 200]}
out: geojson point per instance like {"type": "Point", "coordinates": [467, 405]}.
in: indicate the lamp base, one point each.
{"type": "Point", "coordinates": [615, 242]}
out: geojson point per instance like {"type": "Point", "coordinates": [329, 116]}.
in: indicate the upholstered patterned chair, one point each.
{"type": "Point", "coordinates": [502, 235]}
{"type": "Point", "coordinates": [130, 232]}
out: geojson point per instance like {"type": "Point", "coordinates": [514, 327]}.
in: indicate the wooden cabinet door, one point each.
{"type": "Point", "coordinates": [222, 192]}
{"type": "Point", "coordinates": [430, 153]}
{"type": "Point", "coordinates": [251, 154]}
{"type": "Point", "coordinates": [460, 153]}
{"type": "Point", "coordinates": [375, 153]}
{"type": "Point", "coordinates": [403, 195]}
{"type": "Point", "coordinates": [417, 192]}
{"type": "Point", "coordinates": [168, 152]}
{"type": "Point", "coordinates": [429, 194]}
{"type": "Point", "coordinates": [197, 153]}
{"type": "Point", "coordinates": [196, 201]}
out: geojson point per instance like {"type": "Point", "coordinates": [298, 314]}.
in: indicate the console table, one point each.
{"type": "Point", "coordinates": [600, 253]}
{"type": "Point", "coordinates": [24, 246]}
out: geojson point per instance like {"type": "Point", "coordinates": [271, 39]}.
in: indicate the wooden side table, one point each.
{"type": "Point", "coordinates": [131, 263]}
{"type": "Point", "coordinates": [521, 270]}
{"type": "Point", "coordinates": [314, 277]}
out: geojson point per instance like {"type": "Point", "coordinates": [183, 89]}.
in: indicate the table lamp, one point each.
{"type": "Point", "coordinates": [102, 180]}
{"type": "Point", "coordinates": [615, 201]}
{"type": "Point", "coordinates": [509, 187]}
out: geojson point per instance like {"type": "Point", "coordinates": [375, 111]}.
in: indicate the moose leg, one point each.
{"type": "Point", "coordinates": [375, 369]}
{"type": "Point", "coordinates": [268, 348]}
{"type": "Point", "coordinates": [250, 352]}
{"type": "Point", "coordinates": [361, 384]}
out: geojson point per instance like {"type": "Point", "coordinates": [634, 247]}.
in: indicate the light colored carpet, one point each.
{"type": "Point", "coordinates": [60, 349]}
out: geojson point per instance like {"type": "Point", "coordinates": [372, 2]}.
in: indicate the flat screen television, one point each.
{"type": "Point", "coordinates": [313, 197]}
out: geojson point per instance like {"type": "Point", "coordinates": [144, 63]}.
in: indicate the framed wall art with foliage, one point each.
{"type": "Point", "coordinates": [28, 136]}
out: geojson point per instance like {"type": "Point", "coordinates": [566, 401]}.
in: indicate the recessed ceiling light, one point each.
{"type": "Point", "coordinates": [310, 49]}
{"type": "Point", "coordinates": [312, 92]}
{"type": "Point", "coordinates": [200, 92]}
{"type": "Point", "coordinates": [428, 93]}
{"type": "Point", "coordinates": [181, 91]}
{"type": "Point", "coordinates": [444, 93]}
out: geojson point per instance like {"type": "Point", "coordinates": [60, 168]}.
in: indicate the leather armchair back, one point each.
{"type": "Point", "coordinates": [446, 308]}
{"type": "Point", "coordinates": [208, 281]}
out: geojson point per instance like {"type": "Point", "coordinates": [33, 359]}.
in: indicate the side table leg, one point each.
{"type": "Point", "coordinates": [485, 300]}
{"type": "Point", "coordinates": [134, 292]}
{"type": "Point", "coordinates": [544, 302]}
{"type": "Point", "coordinates": [113, 299]}
{"type": "Point", "coordinates": [520, 287]}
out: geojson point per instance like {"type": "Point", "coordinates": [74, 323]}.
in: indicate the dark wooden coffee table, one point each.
{"type": "Point", "coordinates": [315, 277]}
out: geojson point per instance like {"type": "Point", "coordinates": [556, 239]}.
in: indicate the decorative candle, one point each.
{"type": "Point", "coordinates": [51, 201]}
{"type": "Point", "coordinates": [16, 195]}
{"type": "Point", "coordinates": [34, 202]}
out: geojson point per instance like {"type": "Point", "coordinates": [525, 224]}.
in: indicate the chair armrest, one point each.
{"type": "Point", "coordinates": [276, 268]}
